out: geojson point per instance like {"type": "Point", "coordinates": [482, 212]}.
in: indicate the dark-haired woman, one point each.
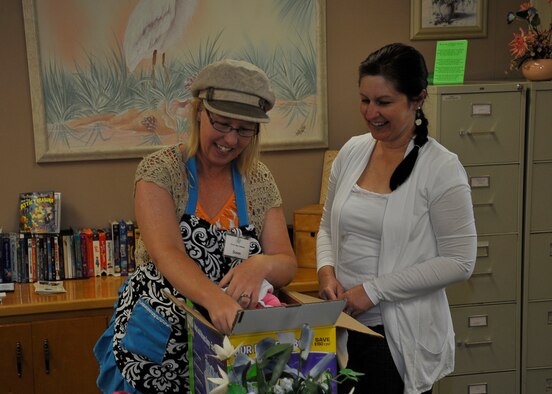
{"type": "Point", "coordinates": [397, 228]}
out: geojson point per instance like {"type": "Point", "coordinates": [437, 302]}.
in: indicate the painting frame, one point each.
{"type": "Point", "coordinates": [43, 142]}
{"type": "Point", "coordinates": [421, 28]}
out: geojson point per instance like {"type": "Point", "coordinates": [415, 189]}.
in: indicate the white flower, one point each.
{"type": "Point", "coordinates": [278, 390]}
{"type": "Point", "coordinates": [222, 383]}
{"type": "Point", "coordinates": [286, 384]}
{"type": "Point", "coordinates": [226, 351]}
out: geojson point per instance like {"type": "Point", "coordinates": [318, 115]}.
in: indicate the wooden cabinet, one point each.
{"type": "Point", "coordinates": [46, 341]}
{"type": "Point", "coordinates": [51, 356]}
{"type": "Point", "coordinates": [306, 222]}
{"type": "Point", "coordinates": [16, 359]}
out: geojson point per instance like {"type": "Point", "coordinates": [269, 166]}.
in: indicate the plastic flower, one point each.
{"type": "Point", "coordinates": [535, 43]}
{"type": "Point", "coordinates": [222, 383]}
{"type": "Point", "coordinates": [518, 46]}
{"type": "Point", "coordinates": [226, 351]}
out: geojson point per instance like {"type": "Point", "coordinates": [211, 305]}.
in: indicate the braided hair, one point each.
{"type": "Point", "coordinates": [405, 68]}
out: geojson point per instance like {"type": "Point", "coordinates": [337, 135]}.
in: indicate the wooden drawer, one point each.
{"type": "Point", "coordinates": [486, 338]}
{"type": "Point", "coordinates": [306, 222]}
{"type": "Point", "coordinates": [495, 196]}
{"type": "Point", "coordinates": [487, 383]}
{"type": "Point", "coordinates": [495, 277]}
{"type": "Point", "coordinates": [540, 266]}
{"type": "Point", "coordinates": [539, 334]}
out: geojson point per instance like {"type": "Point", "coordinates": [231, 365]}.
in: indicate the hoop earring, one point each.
{"type": "Point", "coordinates": [418, 121]}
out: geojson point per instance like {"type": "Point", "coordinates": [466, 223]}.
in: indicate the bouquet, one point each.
{"type": "Point", "coordinates": [533, 43]}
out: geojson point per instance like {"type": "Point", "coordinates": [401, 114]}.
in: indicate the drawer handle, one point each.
{"type": "Point", "coordinates": [476, 132]}
{"type": "Point", "coordinates": [483, 273]}
{"type": "Point", "coordinates": [19, 358]}
{"type": "Point", "coordinates": [483, 204]}
{"type": "Point", "coordinates": [46, 349]}
{"type": "Point", "coordinates": [468, 343]}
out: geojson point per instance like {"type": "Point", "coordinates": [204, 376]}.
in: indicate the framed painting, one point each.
{"type": "Point", "coordinates": [447, 19]}
{"type": "Point", "coordinates": [110, 79]}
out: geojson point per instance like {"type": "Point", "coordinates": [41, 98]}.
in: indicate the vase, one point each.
{"type": "Point", "coordinates": [537, 69]}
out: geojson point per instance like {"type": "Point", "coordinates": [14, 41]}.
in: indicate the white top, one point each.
{"type": "Point", "coordinates": [361, 228]}
{"type": "Point", "coordinates": [428, 242]}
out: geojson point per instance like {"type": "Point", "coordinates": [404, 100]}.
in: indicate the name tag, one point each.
{"type": "Point", "coordinates": [235, 246]}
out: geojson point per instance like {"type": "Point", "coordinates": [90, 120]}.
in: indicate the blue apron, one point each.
{"type": "Point", "coordinates": [145, 348]}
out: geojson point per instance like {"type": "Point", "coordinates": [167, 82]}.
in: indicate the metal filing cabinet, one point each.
{"type": "Point", "coordinates": [484, 124]}
{"type": "Point", "coordinates": [537, 306]}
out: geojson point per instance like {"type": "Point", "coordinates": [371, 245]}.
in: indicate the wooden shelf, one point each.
{"type": "Point", "coordinates": [99, 293]}
{"type": "Point", "coordinates": [82, 294]}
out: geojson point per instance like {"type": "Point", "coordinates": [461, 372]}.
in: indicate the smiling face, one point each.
{"type": "Point", "coordinates": [218, 148]}
{"type": "Point", "coordinates": [388, 113]}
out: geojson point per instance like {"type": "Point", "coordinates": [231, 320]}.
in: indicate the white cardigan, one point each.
{"type": "Point", "coordinates": [428, 242]}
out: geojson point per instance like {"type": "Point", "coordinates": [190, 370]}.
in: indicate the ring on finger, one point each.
{"type": "Point", "coordinates": [244, 295]}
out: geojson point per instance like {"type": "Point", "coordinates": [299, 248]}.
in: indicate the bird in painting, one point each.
{"type": "Point", "coordinates": [154, 27]}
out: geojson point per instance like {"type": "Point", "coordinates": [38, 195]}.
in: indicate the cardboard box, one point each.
{"type": "Point", "coordinates": [281, 323]}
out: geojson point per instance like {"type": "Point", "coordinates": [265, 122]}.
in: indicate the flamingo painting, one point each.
{"type": "Point", "coordinates": [154, 27]}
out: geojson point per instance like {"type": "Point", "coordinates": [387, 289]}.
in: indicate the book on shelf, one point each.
{"type": "Point", "coordinates": [109, 252]}
{"type": "Point", "coordinates": [96, 252]}
{"type": "Point", "coordinates": [130, 246]}
{"type": "Point", "coordinates": [123, 247]}
{"type": "Point", "coordinates": [39, 212]}
{"type": "Point", "coordinates": [7, 258]}
{"type": "Point", "coordinates": [115, 234]}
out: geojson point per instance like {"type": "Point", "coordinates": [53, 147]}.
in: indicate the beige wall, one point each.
{"type": "Point", "coordinates": [96, 191]}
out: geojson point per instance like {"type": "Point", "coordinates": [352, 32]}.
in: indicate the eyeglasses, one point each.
{"type": "Point", "coordinates": [226, 128]}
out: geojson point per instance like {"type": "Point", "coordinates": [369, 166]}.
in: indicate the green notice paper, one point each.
{"type": "Point", "coordinates": [450, 62]}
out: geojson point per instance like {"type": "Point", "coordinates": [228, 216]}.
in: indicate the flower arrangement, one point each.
{"type": "Point", "coordinates": [533, 43]}
{"type": "Point", "coordinates": [269, 372]}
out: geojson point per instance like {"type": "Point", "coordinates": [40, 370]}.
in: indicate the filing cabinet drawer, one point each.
{"type": "Point", "coordinates": [541, 197]}
{"type": "Point", "coordinates": [482, 127]}
{"type": "Point", "coordinates": [539, 381]}
{"type": "Point", "coordinates": [306, 222]}
{"type": "Point", "coordinates": [495, 196]}
{"type": "Point", "coordinates": [540, 266]}
{"type": "Point", "coordinates": [541, 127]}
{"type": "Point", "coordinates": [539, 334]}
{"type": "Point", "coordinates": [486, 338]}
{"type": "Point", "coordinates": [488, 383]}
{"type": "Point", "coordinates": [495, 275]}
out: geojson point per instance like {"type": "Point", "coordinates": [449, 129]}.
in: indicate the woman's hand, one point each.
{"type": "Point", "coordinates": [357, 301]}
{"type": "Point", "coordinates": [329, 287]}
{"type": "Point", "coordinates": [222, 311]}
{"type": "Point", "coordinates": [243, 282]}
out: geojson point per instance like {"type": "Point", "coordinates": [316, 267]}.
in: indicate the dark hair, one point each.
{"type": "Point", "coordinates": [405, 68]}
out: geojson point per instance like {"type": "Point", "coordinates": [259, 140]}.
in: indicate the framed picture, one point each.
{"type": "Point", "coordinates": [110, 79]}
{"type": "Point", "coordinates": [447, 19]}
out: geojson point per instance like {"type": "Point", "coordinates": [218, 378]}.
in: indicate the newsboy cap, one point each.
{"type": "Point", "coordinates": [235, 89]}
